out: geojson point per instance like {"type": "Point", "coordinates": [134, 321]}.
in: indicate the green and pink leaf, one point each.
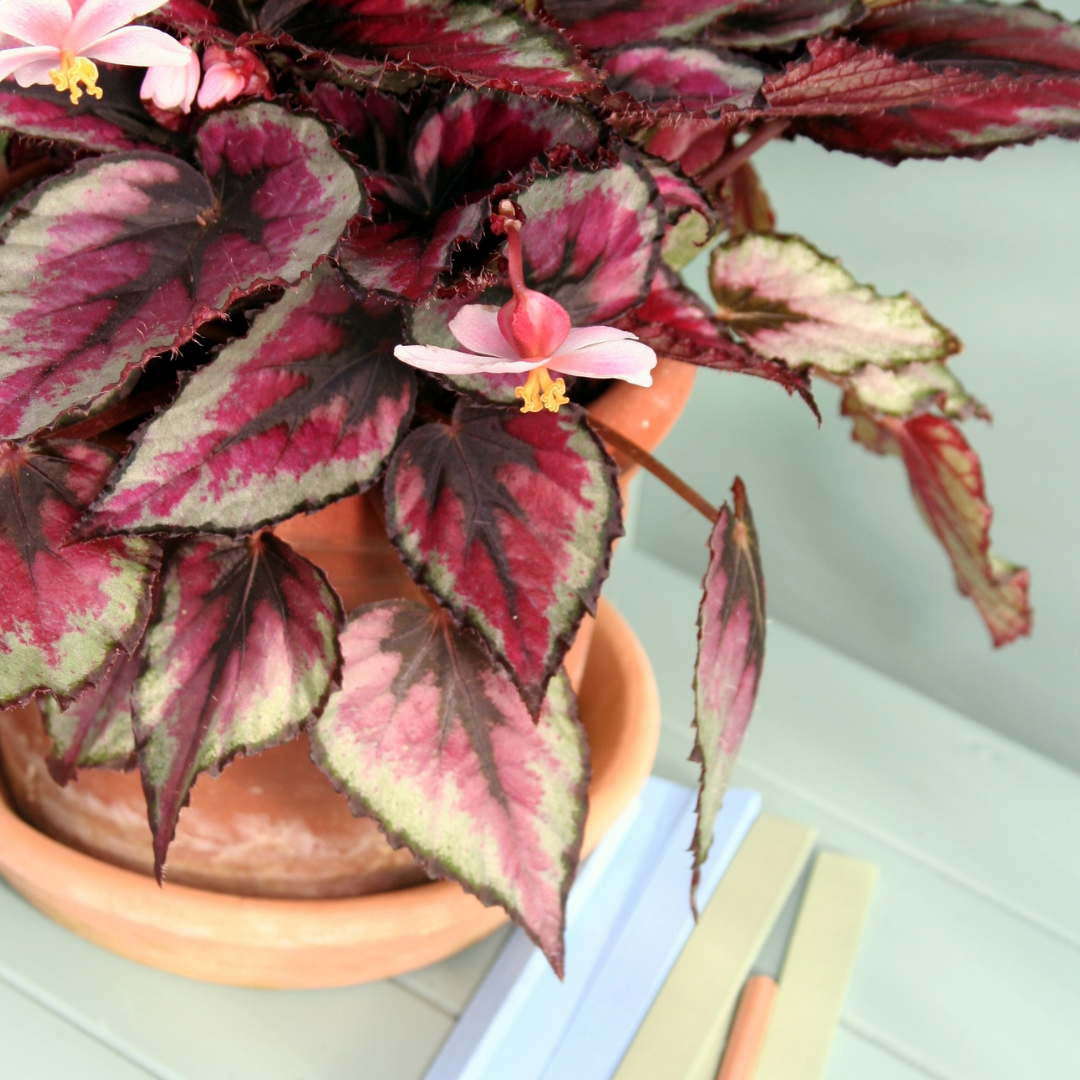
{"type": "Point", "coordinates": [242, 651]}
{"type": "Point", "coordinates": [304, 409]}
{"type": "Point", "coordinates": [509, 520]}
{"type": "Point", "coordinates": [731, 651]}
{"type": "Point", "coordinates": [69, 607]}
{"type": "Point", "coordinates": [429, 736]}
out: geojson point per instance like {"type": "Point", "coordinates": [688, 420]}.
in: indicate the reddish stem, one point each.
{"type": "Point", "coordinates": [740, 156]}
{"type": "Point", "coordinates": [640, 456]}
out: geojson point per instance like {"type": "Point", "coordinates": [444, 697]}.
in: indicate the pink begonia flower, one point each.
{"type": "Point", "coordinates": [230, 73]}
{"type": "Point", "coordinates": [63, 38]}
{"type": "Point", "coordinates": [532, 333]}
{"type": "Point", "coordinates": [172, 89]}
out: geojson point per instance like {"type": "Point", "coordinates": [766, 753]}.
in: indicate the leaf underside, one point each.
{"type": "Point", "coordinates": [68, 607]}
{"type": "Point", "coordinates": [509, 520]}
{"type": "Point", "coordinates": [241, 652]}
{"type": "Point", "coordinates": [731, 650]}
{"type": "Point", "coordinates": [431, 738]}
{"type": "Point", "coordinates": [304, 409]}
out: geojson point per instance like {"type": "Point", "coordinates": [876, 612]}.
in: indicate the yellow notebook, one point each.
{"type": "Point", "coordinates": [683, 1034]}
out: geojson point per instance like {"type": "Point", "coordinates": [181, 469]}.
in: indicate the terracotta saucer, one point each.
{"type": "Point", "coordinates": [295, 944]}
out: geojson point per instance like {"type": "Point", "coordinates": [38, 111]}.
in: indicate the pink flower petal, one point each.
{"type": "Point", "coordinates": [37, 22]}
{"type": "Point", "coordinates": [476, 326]}
{"type": "Point", "coordinates": [36, 72]}
{"type": "Point", "coordinates": [582, 336]}
{"type": "Point", "coordinates": [16, 60]}
{"type": "Point", "coordinates": [172, 87]}
{"type": "Point", "coordinates": [96, 18]}
{"type": "Point", "coordinates": [138, 46]}
{"type": "Point", "coordinates": [220, 83]}
{"type": "Point", "coordinates": [631, 361]}
{"type": "Point", "coordinates": [452, 362]}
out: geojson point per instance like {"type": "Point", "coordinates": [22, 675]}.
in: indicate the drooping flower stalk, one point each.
{"type": "Point", "coordinates": [532, 332]}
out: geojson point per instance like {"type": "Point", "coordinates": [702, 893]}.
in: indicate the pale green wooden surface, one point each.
{"type": "Point", "coordinates": [970, 969]}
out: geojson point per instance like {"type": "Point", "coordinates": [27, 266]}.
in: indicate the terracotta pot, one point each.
{"type": "Point", "coordinates": [281, 944]}
{"type": "Point", "coordinates": [272, 826]}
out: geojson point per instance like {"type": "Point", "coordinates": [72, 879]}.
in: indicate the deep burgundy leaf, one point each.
{"type": "Point", "coordinates": [604, 24]}
{"type": "Point", "coordinates": [242, 650]}
{"type": "Point", "coordinates": [695, 145]}
{"type": "Point", "coordinates": [304, 409]}
{"type": "Point", "coordinates": [731, 651]}
{"type": "Point", "coordinates": [678, 325]}
{"type": "Point", "coordinates": [509, 521]}
{"type": "Point", "coordinates": [683, 78]}
{"type": "Point", "coordinates": [460, 157]}
{"type": "Point", "coordinates": [777, 24]}
{"type": "Point", "coordinates": [431, 738]}
{"type": "Point", "coordinates": [127, 255]}
{"type": "Point", "coordinates": [116, 122]}
{"type": "Point", "coordinates": [68, 608]}
{"type": "Point", "coordinates": [94, 731]}
{"type": "Point", "coordinates": [947, 483]}
{"type": "Point", "coordinates": [492, 43]}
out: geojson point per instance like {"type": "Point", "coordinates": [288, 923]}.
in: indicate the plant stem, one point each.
{"type": "Point", "coordinates": [738, 157]}
{"type": "Point", "coordinates": [642, 457]}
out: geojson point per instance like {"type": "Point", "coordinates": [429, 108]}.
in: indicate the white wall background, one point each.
{"type": "Point", "coordinates": [992, 249]}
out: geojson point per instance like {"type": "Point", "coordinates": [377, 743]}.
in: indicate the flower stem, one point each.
{"type": "Point", "coordinates": [738, 157]}
{"type": "Point", "coordinates": [642, 457]}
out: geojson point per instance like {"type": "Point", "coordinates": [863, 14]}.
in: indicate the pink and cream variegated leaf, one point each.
{"type": "Point", "coordinates": [430, 738]}
{"type": "Point", "coordinates": [592, 240]}
{"type": "Point", "coordinates": [304, 409]}
{"type": "Point", "coordinates": [692, 220]}
{"type": "Point", "coordinates": [127, 255]}
{"type": "Point", "coordinates": [460, 157]}
{"type": "Point", "coordinates": [241, 652]}
{"type": "Point", "coordinates": [68, 607]}
{"type": "Point", "coordinates": [780, 24]}
{"type": "Point", "coordinates": [604, 24]}
{"type": "Point", "coordinates": [913, 388]}
{"type": "Point", "coordinates": [683, 78]}
{"type": "Point", "coordinates": [731, 651]}
{"type": "Point", "coordinates": [116, 122]}
{"type": "Point", "coordinates": [95, 730]}
{"type": "Point", "coordinates": [947, 484]}
{"type": "Point", "coordinates": [678, 325]}
{"type": "Point", "coordinates": [509, 520]}
{"type": "Point", "coordinates": [791, 303]}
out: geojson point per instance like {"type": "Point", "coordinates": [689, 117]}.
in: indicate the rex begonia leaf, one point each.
{"type": "Point", "coordinates": [683, 78]}
{"type": "Point", "coordinates": [127, 255]}
{"type": "Point", "coordinates": [117, 121]}
{"type": "Point", "coordinates": [304, 409]}
{"type": "Point", "coordinates": [791, 303]}
{"type": "Point", "coordinates": [95, 730]}
{"type": "Point", "coordinates": [678, 325]}
{"type": "Point", "coordinates": [428, 736]}
{"type": "Point", "coordinates": [731, 651]}
{"type": "Point", "coordinates": [691, 219]}
{"type": "Point", "coordinates": [954, 78]}
{"type": "Point", "coordinates": [68, 607]}
{"type": "Point", "coordinates": [604, 24]}
{"type": "Point", "coordinates": [509, 520]}
{"type": "Point", "coordinates": [947, 484]}
{"type": "Point", "coordinates": [459, 155]}
{"type": "Point", "coordinates": [493, 43]}
{"type": "Point", "coordinates": [912, 388]}
{"type": "Point", "coordinates": [241, 652]}
{"type": "Point", "coordinates": [778, 24]}
{"type": "Point", "coordinates": [592, 240]}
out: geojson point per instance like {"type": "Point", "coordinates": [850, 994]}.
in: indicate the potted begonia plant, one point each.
{"type": "Point", "coordinates": [262, 257]}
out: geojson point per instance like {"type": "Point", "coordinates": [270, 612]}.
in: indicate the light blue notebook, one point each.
{"type": "Point", "coordinates": [628, 917]}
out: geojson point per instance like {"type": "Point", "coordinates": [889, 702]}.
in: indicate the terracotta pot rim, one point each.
{"type": "Point", "coordinates": [306, 943]}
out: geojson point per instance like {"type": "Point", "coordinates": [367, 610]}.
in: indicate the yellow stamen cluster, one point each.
{"type": "Point", "coordinates": [541, 391]}
{"type": "Point", "coordinates": [72, 71]}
